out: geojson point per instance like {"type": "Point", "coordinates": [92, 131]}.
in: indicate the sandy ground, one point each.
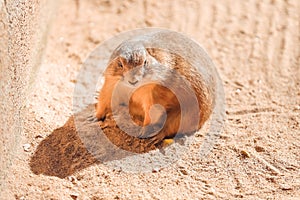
{"type": "Point", "coordinates": [255, 46]}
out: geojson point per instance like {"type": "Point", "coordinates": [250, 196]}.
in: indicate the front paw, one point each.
{"type": "Point", "coordinates": [149, 131]}
{"type": "Point", "coordinates": [100, 113]}
{"type": "Point", "coordinates": [101, 116]}
{"type": "Point", "coordinates": [157, 140]}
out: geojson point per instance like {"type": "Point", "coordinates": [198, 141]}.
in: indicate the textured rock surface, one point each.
{"type": "Point", "coordinates": [23, 28]}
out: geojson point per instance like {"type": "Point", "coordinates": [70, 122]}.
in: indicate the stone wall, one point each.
{"type": "Point", "coordinates": [23, 29]}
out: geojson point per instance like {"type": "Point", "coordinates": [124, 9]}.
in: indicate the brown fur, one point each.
{"type": "Point", "coordinates": [131, 56]}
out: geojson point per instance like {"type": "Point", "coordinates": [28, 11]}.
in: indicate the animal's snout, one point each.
{"type": "Point", "coordinates": [133, 77]}
{"type": "Point", "coordinates": [133, 81]}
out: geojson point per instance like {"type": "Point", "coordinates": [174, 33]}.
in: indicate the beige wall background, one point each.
{"type": "Point", "coordinates": [23, 28]}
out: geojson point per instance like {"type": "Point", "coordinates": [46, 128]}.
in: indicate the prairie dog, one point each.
{"type": "Point", "coordinates": [161, 76]}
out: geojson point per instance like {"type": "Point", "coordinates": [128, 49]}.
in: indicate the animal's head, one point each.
{"type": "Point", "coordinates": [131, 63]}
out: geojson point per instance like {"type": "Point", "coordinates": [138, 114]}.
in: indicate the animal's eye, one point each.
{"type": "Point", "coordinates": [120, 65]}
{"type": "Point", "coordinates": [145, 63]}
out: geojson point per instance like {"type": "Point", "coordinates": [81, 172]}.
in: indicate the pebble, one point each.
{"type": "Point", "coordinates": [155, 170]}
{"type": "Point", "coordinates": [38, 136]}
{"type": "Point", "coordinates": [73, 81]}
{"type": "Point", "coordinates": [211, 191]}
{"type": "Point", "coordinates": [183, 171]}
{"type": "Point", "coordinates": [285, 187]}
{"type": "Point", "coordinates": [259, 149]}
{"type": "Point", "coordinates": [74, 195]}
{"type": "Point", "coordinates": [245, 154]}
{"type": "Point", "coordinates": [26, 147]}
{"type": "Point", "coordinates": [72, 179]}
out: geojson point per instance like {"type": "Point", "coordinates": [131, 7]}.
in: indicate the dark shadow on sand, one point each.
{"type": "Point", "coordinates": [80, 143]}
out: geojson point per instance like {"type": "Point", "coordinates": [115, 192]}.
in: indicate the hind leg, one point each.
{"type": "Point", "coordinates": [169, 130]}
{"type": "Point", "coordinates": [155, 116]}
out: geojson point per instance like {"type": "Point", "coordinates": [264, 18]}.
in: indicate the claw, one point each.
{"type": "Point", "coordinates": [146, 132]}
{"type": "Point", "coordinates": [92, 118]}
{"type": "Point", "coordinates": [149, 131]}
{"type": "Point", "coordinates": [157, 139]}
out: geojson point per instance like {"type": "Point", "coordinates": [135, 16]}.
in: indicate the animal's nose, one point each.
{"type": "Point", "coordinates": [133, 81]}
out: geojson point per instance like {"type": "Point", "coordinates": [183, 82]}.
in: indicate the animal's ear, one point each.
{"type": "Point", "coordinates": [150, 51]}
{"type": "Point", "coordinates": [120, 65]}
